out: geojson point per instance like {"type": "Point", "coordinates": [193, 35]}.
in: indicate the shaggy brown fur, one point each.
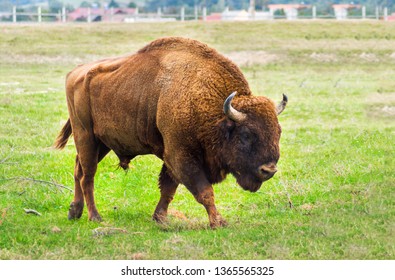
{"type": "Point", "coordinates": [167, 100]}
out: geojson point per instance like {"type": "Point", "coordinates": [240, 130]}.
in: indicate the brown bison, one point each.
{"type": "Point", "coordinates": [175, 98]}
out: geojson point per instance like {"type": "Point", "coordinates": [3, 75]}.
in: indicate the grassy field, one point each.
{"type": "Point", "coordinates": [334, 194]}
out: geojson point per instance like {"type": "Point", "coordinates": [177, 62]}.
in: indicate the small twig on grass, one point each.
{"type": "Point", "coordinates": [291, 205]}
{"type": "Point", "coordinates": [3, 160]}
{"type": "Point", "coordinates": [32, 211]}
{"type": "Point", "coordinates": [107, 231]}
{"type": "Point", "coordinates": [38, 181]}
{"type": "Point", "coordinates": [101, 231]}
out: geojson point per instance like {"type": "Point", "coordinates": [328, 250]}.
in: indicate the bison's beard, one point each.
{"type": "Point", "coordinates": [249, 183]}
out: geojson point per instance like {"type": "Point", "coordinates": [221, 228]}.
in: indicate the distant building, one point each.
{"type": "Point", "coordinates": [214, 17]}
{"type": "Point", "coordinates": [241, 15]}
{"type": "Point", "coordinates": [341, 10]}
{"type": "Point", "coordinates": [291, 10]}
{"type": "Point", "coordinates": [235, 15]}
{"type": "Point", "coordinates": [101, 14]}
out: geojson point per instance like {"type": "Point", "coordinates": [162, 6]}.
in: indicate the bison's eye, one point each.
{"type": "Point", "coordinates": [245, 137]}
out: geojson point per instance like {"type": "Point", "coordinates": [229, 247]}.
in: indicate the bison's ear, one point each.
{"type": "Point", "coordinates": [227, 126]}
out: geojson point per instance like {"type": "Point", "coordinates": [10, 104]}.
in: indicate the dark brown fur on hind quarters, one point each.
{"type": "Point", "coordinates": [168, 99]}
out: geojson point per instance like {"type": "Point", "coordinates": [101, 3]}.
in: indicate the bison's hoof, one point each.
{"type": "Point", "coordinates": [75, 210]}
{"type": "Point", "coordinates": [218, 222]}
{"type": "Point", "coordinates": [160, 218]}
{"type": "Point", "coordinates": [95, 218]}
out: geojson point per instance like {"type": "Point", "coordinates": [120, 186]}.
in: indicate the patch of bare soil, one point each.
{"type": "Point", "coordinates": [370, 57]}
{"type": "Point", "coordinates": [177, 214]}
{"type": "Point", "coordinates": [324, 57]}
{"type": "Point", "coordinates": [381, 105]}
{"type": "Point", "coordinates": [381, 98]}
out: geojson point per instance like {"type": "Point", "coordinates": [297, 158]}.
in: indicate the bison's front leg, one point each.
{"type": "Point", "coordinates": [168, 188]}
{"type": "Point", "coordinates": [205, 196]}
{"type": "Point", "coordinates": [190, 172]}
{"type": "Point", "coordinates": [197, 183]}
{"type": "Point", "coordinates": [203, 192]}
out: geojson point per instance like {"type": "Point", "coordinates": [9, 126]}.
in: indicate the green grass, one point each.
{"type": "Point", "coordinates": [337, 148]}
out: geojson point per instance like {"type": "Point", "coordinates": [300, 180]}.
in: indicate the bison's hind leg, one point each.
{"type": "Point", "coordinates": [77, 206]}
{"type": "Point", "coordinates": [83, 181]}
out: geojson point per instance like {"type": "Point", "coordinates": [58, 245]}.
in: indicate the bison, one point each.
{"type": "Point", "coordinates": [182, 101]}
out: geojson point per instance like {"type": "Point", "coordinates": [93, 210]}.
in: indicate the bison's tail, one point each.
{"type": "Point", "coordinates": [63, 136]}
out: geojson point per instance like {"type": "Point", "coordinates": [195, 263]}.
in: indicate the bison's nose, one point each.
{"type": "Point", "coordinates": [267, 171]}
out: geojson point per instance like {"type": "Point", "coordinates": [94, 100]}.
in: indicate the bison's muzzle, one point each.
{"type": "Point", "coordinates": [267, 171]}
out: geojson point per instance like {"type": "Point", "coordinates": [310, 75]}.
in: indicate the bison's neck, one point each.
{"type": "Point", "coordinates": [215, 170]}
{"type": "Point", "coordinates": [211, 143]}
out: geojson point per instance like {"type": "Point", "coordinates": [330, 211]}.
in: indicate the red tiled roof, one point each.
{"type": "Point", "coordinates": [214, 17]}
{"type": "Point", "coordinates": [345, 6]}
{"type": "Point", "coordinates": [83, 12]}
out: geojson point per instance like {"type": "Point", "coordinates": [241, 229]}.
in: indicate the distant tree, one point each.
{"type": "Point", "coordinates": [279, 12]}
{"type": "Point", "coordinates": [54, 6]}
{"type": "Point", "coordinates": [85, 4]}
{"type": "Point", "coordinates": [152, 5]}
{"type": "Point", "coordinates": [305, 12]}
{"type": "Point", "coordinates": [238, 5]}
{"type": "Point", "coordinates": [113, 4]}
{"type": "Point", "coordinates": [132, 5]}
{"type": "Point", "coordinates": [261, 4]}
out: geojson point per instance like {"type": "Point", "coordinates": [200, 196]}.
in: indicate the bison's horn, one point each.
{"type": "Point", "coordinates": [231, 112]}
{"type": "Point", "coordinates": [281, 106]}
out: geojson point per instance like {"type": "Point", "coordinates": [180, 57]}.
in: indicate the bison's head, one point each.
{"type": "Point", "coordinates": [252, 135]}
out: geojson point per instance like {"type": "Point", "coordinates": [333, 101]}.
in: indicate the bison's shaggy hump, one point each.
{"type": "Point", "coordinates": [226, 68]}
{"type": "Point", "coordinates": [180, 44]}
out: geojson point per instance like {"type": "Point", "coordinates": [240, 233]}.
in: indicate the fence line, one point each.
{"type": "Point", "coordinates": [38, 16]}
{"type": "Point", "coordinates": [198, 14]}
